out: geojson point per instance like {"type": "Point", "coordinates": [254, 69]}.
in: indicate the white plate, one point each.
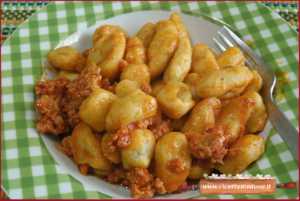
{"type": "Point", "coordinates": [200, 30]}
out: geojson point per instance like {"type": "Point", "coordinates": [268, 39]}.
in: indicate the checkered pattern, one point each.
{"type": "Point", "coordinates": [28, 171]}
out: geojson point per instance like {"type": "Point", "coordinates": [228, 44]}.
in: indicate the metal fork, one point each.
{"type": "Point", "coordinates": [226, 38]}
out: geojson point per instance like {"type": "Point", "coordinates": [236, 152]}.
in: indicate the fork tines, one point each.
{"type": "Point", "coordinates": [226, 38]}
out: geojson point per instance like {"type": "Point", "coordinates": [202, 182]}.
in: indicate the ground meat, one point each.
{"type": "Point", "coordinates": [159, 125]}
{"type": "Point", "coordinates": [59, 100]}
{"type": "Point", "coordinates": [52, 124]}
{"type": "Point", "coordinates": [121, 138]}
{"type": "Point", "coordinates": [176, 165]}
{"type": "Point", "coordinates": [143, 184]}
{"type": "Point", "coordinates": [159, 186]}
{"type": "Point", "coordinates": [208, 145]}
{"type": "Point", "coordinates": [48, 105]}
{"type": "Point", "coordinates": [143, 124]}
{"type": "Point", "coordinates": [160, 129]}
{"type": "Point", "coordinates": [141, 191]}
{"type": "Point", "coordinates": [51, 87]}
{"type": "Point", "coordinates": [77, 90]}
{"type": "Point", "coordinates": [140, 183]}
{"type": "Point", "coordinates": [140, 176]}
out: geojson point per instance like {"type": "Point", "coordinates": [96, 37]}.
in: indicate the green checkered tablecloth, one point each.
{"type": "Point", "coordinates": [28, 171]}
{"type": "Point", "coordinates": [15, 12]}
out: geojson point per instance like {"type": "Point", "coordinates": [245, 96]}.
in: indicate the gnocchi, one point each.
{"type": "Point", "coordinates": [138, 73]}
{"type": "Point", "coordinates": [139, 152]}
{"type": "Point", "coordinates": [86, 148]}
{"type": "Point", "coordinates": [224, 83]}
{"type": "Point", "coordinates": [256, 83]}
{"type": "Point", "coordinates": [66, 58]}
{"type": "Point", "coordinates": [232, 56]}
{"type": "Point", "coordinates": [175, 99]}
{"type": "Point", "coordinates": [135, 51]}
{"type": "Point", "coordinates": [68, 75]}
{"type": "Point", "coordinates": [97, 104]}
{"type": "Point", "coordinates": [258, 117]}
{"type": "Point", "coordinates": [203, 116]}
{"type": "Point", "coordinates": [199, 168]}
{"type": "Point", "coordinates": [234, 116]}
{"type": "Point", "coordinates": [180, 63]}
{"type": "Point", "coordinates": [108, 50]}
{"type": "Point", "coordinates": [172, 160]}
{"type": "Point", "coordinates": [242, 153]}
{"type": "Point", "coordinates": [203, 59]}
{"type": "Point", "coordinates": [162, 47]}
{"type": "Point", "coordinates": [125, 87]}
{"type": "Point", "coordinates": [130, 108]}
{"type": "Point", "coordinates": [146, 33]}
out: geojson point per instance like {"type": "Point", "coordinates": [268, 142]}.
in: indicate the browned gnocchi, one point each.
{"type": "Point", "coordinates": [180, 63]}
{"type": "Point", "coordinates": [132, 107]}
{"type": "Point", "coordinates": [125, 87]}
{"type": "Point", "coordinates": [135, 51]}
{"type": "Point", "coordinates": [162, 47]}
{"type": "Point", "coordinates": [175, 99]}
{"type": "Point", "coordinates": [258, 118]}
{"type": "Point", "coordinates": [232, 56]}
{"type": "Point", "coordinates": [235, 115]}
{"type": "Point", "coordinates": [203, 59]}
{"type": "Point", "coordinates": [203, 116]}
{"type": "Point", "coordinates": [199, 168]}
{"type": "Point", "coordinates": [109, 43]}
{"type": "Point", "coordinates": [256, 83]}
{"type": "Point", "coordinates": [224, 83]}
{"type": "Point", "coordinates": [98, 104]}
{"type": "Point", "coordinates": [242, 153]}
{"type": "Point", "coordinates": [105, 31]}
{"type": "Point", "coordinates": [146, 33]}
{"type": "Point", "coordinates": [138, 73]}
{"type": "Point", "coordinates": [172, 160]}
{"type": "Point", "coordinates": [86, 148]}
{"type": "Point", "coordinates": [67, 74]}
{"type": "Point", "coordinates": [139, 152]}
{"type": "Point", "coordinates": [66, 58]}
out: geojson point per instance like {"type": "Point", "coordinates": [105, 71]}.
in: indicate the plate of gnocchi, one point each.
{"type": "Point", "coordinates": [142, 105]}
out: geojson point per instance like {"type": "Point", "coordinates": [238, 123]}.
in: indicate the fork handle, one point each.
{"type": "Point", "coordinates": [284, 127]}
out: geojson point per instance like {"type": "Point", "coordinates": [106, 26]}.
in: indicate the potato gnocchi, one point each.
{"type": "Point", "coordinates": [153, 111]}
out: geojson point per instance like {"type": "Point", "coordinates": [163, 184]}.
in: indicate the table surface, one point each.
{"type": "Point", "coordinates": [14, 13]}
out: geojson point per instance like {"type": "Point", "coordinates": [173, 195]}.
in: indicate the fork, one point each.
{"type": "Point", "coordinates": [226, 38]}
